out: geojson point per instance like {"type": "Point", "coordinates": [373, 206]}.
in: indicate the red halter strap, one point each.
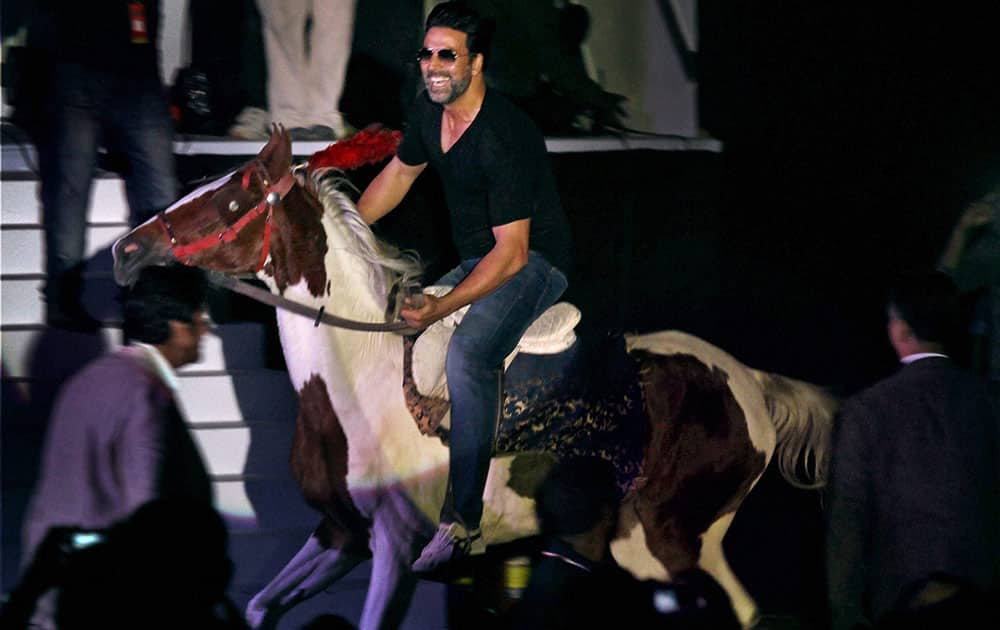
{"type": "Point", "coordinates": [273, 194]}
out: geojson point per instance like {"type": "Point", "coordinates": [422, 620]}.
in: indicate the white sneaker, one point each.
{"type": "Point", "coordinates": [450, 543]}
{"type": "Point", "coordinates": [253, 123]}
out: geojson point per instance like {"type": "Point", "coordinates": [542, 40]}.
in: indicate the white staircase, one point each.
{"type": "Point", "coordinates": [207, 390]}
{"type": "Point", "coordinates": [238, 400]}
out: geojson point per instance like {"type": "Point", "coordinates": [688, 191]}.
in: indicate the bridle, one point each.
{"type": "Point", "coordinates": [273, 195]}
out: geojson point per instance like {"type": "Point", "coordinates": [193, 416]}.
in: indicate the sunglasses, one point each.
{"type": "Point", "coordinates": [444, 55]}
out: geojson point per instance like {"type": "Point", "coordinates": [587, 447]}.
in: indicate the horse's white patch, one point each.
{"type": "Point", "coordinates": [629, 547]}
{"type": "Point", "coordinates": [197, 192]}
{"type": "Point", "coordinates": [506, 515]}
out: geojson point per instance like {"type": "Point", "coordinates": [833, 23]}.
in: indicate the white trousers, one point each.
{"type": "Point", "coordinates": [305, 76]}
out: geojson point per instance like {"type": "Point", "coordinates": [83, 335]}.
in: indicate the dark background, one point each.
{"type": "Point", "coordinates": [853, 136]}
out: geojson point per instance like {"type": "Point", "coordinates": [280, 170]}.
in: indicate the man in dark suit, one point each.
{"type": "Point", "coordinates": [915, 480]}
{"type": "Point", "coordinates": [117, 438]}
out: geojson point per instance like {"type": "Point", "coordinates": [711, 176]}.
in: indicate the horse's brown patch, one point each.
{"type": "Point", "coordinates": [319, 463]}
{"type": "Point", "coordinates": [298, 243]}
{"type": "Point", "coordinates": [527, 471]}
{"type": "Point", "coordinates": [699, 461]}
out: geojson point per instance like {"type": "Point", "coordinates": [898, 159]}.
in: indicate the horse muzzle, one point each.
{"type": "Point", "coordinates": [132, 253]}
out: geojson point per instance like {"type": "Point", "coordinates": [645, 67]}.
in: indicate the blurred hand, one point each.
{"type": "Point", "coordinates": [422, 316]}
{"type": "Point", "coordinates": [979, 213]}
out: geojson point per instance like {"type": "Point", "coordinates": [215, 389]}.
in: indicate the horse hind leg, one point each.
{"type": "Point", "coordinates": [311, 570]}
{"type": "Point", "coordinates": [713, 561]}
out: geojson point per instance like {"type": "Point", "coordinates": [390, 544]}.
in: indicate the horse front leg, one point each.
{"type": "Point", "coordinates": [392, 582]}
{"type": "Point", "coordinates": [311, 570]}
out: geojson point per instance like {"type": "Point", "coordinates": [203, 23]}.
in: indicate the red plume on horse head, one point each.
{"type": "Point", "coordinates": [368, 146]}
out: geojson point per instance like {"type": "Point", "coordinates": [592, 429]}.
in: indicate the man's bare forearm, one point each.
{"type": "Point", "coordinates": [387, 190]}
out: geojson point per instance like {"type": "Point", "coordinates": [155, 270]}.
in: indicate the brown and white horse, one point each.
{"type": "Point", "coordinates": [709, 425]}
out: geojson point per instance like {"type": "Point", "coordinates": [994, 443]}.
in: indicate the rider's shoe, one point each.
{"type": "Point", "coordinates": [451, 543]}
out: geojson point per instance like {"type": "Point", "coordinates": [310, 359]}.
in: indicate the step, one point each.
{"type": "Point", "coordinates": [18, 347]}
{"type": "Point", "coordinates": [21, 159]}
{"type": "Point", "coordinates": [20, 203]}
{"type": "Point", "coordinates": [231, 346]}
{"type": "Point", "coordinates": [269, 445]}
{"type": "Point", "coordinates": [21, 301]}
{"type": "Point", "coordinates": [224, 449]}
{"type": "Point", "coordinates": [264, 396]}
{"type": "Point", "coordinates": [208, 398]}
{"type": "Point", "coordinates": [232, 502]}
{"type": "Point", "coordinates": [43, 354]}
{"type": "Point", "coordinates": [230, 498]}
{"type": "Point", "coordinates": [22, 247]}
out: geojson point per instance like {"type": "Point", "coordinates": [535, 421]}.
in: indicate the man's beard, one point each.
{"type": "Point", "coordinates": [457, 87]}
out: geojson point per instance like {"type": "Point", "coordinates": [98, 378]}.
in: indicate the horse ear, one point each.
{"type": "Point", "coordinates": [277, 153]}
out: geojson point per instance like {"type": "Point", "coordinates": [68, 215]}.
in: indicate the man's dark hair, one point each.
{"type": "Point", "coordinates": [159, 295]}
{"type": "Point", "coordinates": [573, 496]}
{"type": "Point", "coordinates": [929, 303]}
{"type": "Point", "coordinates": [459, 16]}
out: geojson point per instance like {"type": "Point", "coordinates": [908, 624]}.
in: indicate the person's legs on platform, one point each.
{"type": "Point", "coordinates": [145, 134]}
{"type": "Point", "coordinates": [67, 151]}
{"type": "Point", "coordinates": [333, 31]}
{"type": "Point", "coordinates": [284, 23]}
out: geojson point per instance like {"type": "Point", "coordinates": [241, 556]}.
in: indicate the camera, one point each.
{"type": "Point", "coordinates": [68, 541]}
{"type": "Point", "coordinates": [66, 553]}
{"type": "Point", "coordinates": [666, 600]}
{"type": "Point", "coordinates": [86, 538]}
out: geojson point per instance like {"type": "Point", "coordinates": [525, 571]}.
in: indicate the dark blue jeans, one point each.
{"type": "Point", "coordinates": [488, 333]}
{"type": "Point", "coordinates": [87, 109]}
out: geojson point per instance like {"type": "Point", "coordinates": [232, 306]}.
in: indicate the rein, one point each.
{"type": "Point", "coordinates": [273, 195]}
{"type": "Point", "coordinates": [319, 316]}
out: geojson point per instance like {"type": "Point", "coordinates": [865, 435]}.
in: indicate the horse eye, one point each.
{"type": "Point", "coordinates": [234, 206]}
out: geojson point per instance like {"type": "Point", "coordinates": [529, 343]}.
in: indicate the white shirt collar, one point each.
{"type": "Point", "coordinates": [159, 364]}
{"type": "Point", "coordinates": [910, 358]}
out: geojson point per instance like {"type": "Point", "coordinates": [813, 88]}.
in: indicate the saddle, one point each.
{"type": "Point", "coordinates": [424, 380]}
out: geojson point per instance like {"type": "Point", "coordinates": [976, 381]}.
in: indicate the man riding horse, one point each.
{"type": "Point", "coordinates": [511, 234]}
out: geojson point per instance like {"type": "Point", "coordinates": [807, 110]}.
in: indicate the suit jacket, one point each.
{"type": "Point", "coordinates": [914, 488]}
{"type": "Point", "coordinates": [116, 440]}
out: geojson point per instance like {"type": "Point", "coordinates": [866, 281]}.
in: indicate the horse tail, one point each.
{"type": "Point", "coordinates": [802, 414]}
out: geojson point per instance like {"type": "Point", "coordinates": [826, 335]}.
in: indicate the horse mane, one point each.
{"type": "Point", "coordinates": [391, 266]}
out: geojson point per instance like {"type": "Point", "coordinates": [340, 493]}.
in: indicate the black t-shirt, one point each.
{"type": "Point", "coordinates": [496, 173]}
